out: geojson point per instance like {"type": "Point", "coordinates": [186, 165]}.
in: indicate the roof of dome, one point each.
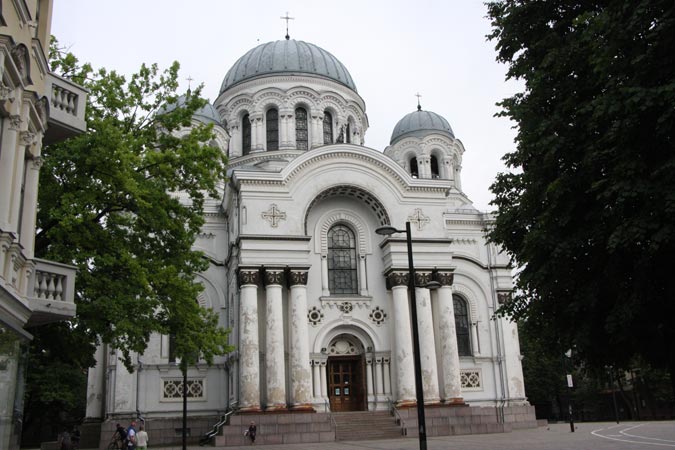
{"type": "Point", "coordinates": [287, 56]}
{"type": "Point", "coordinates": [206, 114]}
{"type": "Point", "coordinates": [420, 123]}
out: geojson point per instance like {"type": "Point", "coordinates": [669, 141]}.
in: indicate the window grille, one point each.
{"type": "Point", "coordinates": [327, 128]}
{"type": "Point", "coordinates": [246, 135]}
{"type": "Point", "coordinates": [301, 133]}
{"type": "Point", "coordinates": [342, 261]}
{"type": "Point", "coordinates": [462, 326]}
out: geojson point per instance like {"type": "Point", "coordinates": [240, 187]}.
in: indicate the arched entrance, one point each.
{"type": "Point", "coordinates": [346, 374]}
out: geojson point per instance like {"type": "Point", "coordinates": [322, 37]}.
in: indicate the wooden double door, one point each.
{"type": "Point", "coordinates": [346, 384]}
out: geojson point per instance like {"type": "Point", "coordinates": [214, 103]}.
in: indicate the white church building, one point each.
{"type": "Point", "coordinates": [317, 301]}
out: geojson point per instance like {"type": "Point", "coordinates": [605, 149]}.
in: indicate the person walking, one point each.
{"type": "Point", "coordinates": [251, 432]}
{"type": "Point", "coordinates": [141, 439]}
{"type": "Point", "coordinates": [131, 436]}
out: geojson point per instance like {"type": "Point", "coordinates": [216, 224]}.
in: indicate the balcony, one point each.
{"type": "Point", "coordinates": [51, 292]}
{"type": "Point", "coordinates": [67, 103]}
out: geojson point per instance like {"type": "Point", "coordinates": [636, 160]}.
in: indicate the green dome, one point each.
{"type": "Point", "coordinates": [419, 124]}
{"type": "Point", "coordinates": [287, 57]}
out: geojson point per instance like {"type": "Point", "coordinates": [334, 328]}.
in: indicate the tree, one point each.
{"type": "Point", "coordinates": [124, 201]}
{"type": "Point", "coordinates": [587, 211]}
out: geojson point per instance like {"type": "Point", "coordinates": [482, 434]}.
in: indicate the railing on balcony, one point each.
{"type": "Point", "coordinates": [51, 292]}
{"type": "Point", "coordinates": [67, 103]}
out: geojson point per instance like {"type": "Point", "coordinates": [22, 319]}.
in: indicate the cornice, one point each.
{"type": "Point", "coordinates": [301, 80]}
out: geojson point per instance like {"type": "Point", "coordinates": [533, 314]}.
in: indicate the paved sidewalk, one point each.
{"type": "Point", "coordinates": [588, 436]}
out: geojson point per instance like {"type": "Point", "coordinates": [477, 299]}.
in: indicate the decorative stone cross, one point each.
{"type": "Point", "coordinates": [274, 215]}
{"type": "Point", "coordinates": [418, 218]}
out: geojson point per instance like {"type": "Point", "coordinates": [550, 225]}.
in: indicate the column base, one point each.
{"type": "Point", "coordinates": [455, 401]}
{"type": "Point", "coordinates": [405, 404]}
{"type": "Point", "coordinates": [250, 410]}
{"type": "Point", "coordinates": [433, 402]}
{"type": "Point", "coordinates": [303, 407]}
{"type": "Point", "coordinates": [276, 409]}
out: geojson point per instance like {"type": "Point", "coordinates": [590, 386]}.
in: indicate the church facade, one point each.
{"type": "Point", "coordinates": [317, 300]}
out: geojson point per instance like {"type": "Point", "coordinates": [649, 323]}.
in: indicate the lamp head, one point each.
{"type": "Point", "coordinates": [387, 230]}
{"type": "Point", "coordinates": [433, 285]}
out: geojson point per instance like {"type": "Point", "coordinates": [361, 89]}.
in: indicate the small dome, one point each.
{"type": "Point", "coordinates": [419, 124]}
{"type": "Point", "coordinates": [287, 57]}
{"type": "Point", "coordinates": [206, 114]}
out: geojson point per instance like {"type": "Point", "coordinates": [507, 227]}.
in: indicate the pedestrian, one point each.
{"type": "Point", "coordinates": [251, 432]}
{"type": "Point", "coordinates": [65, 443]}
{"type": "Point", "coordinates": [75, 437]}
{"type": "Point", "coordinates": [120, 437]}
{"type": "Point", "coordinates": [141, 438]}
{"type": "Point", "coordinates": [131, 436]}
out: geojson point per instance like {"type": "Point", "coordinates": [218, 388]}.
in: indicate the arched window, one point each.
{"type": "Point", "coordinates": [342, 261]}
{"type": "Point", "coordinates": [327, 128]}
{"type": "Point", "coordinates": [301, 134]}
{"type": "Point", "coordinates": [349, 134]}
{"type": "Point", "coordinates": [462, 326]}
{"type": "Point", "coordinates": [434, 167]}
{"type": "Point", "coordinates": [245, 135]}
{"type": "Point", "coordinates": [272, 125]}
{"type": "Point", "coordinates": [413, 167]}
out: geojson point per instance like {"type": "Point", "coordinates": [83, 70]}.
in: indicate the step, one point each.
{"type": "Point", "coordinates": [357, 426]}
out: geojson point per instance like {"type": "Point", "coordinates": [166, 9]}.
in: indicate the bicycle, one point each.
{"type": "Point", "coordinates": [115, 442]}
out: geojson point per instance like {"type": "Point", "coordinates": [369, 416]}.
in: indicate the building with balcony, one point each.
{"type": "Point", "coordinates": [36, 108]}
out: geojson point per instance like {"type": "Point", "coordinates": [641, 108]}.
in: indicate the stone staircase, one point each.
{"type": "Point", "coordinates": [363, 425]}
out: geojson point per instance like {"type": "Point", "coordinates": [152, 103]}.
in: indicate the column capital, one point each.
{"type": "Point", "coordinates": [273, 276]}
{"type": "Point", "coordinates": [445, 278]}
{"type": "Point", "coordinates": [422, 279]}
{"type": "Point", "coordinates": [503, 297]}
{"type": "Point", "coordinates": [248, 275]}
{"type": "Point", "coordinates": [297, 277]}
{"type": "Point", "coordinates": [395, 279]}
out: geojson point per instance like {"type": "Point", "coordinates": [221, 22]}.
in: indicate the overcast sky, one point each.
{"type": "Point", "coordinates": [393, 49]}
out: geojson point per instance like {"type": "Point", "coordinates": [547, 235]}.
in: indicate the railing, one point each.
{"type": "Point", "coordinates": [333, 423]}
{"type": "Point", "coordinates": [67, 103]}
{"type": "Point", "coordinates": [206, 438]}
{"type": "Point", "coordinates": [51, 292]}
{"type": "Point", "coordinates": [399, 420]}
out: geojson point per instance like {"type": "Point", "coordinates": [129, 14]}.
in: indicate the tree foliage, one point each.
{"type": "Point", "coordinates": [588, 210]}
{"type": "Point", "coordinates": [124, 201]}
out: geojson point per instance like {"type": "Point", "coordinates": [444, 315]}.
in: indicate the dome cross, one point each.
{"type": "Point", "coordinates": [419, 107]}
{"type": "Point", "coordinates": [287, 18]}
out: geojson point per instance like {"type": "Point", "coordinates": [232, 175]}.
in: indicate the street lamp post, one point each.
{"type": "Point", "coordinates": [421, 422]}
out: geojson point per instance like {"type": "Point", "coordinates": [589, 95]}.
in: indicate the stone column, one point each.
{"type": "Point", "coordinates": [324, 384]}
{"type": "Point", "coordinates": [424, 167]}
{"type": "Point", "coordinates": [362, 275]}
{"type": "Point", "coordinates": [317, 131]}
{"type": "Point", "coordinates": [316, 364]}
{"type": "Point", "coordinates": [274, 341]}
{"type": "Point", "coordinates": [235, 141]}
{"type": "Point", "coordinates": [427, 342]}
{"type": "Point", "coordinates": [474, 338]}
{"type": "Point", "coordinates": [96, 386]}
{"type": "Point", "coordinates": [447, 335]}
{"type": "Point", "coordinates": [403, 348]}
{"type": "Point", "coordinates": [324, 276]}
{"type": "Point", "coordinates": [8, 155]}
{"type": "Point", "coordinates": [301, 376]}
{"type": "Point", "coordinates": [249, 352]}
{"type": "Point", "coordinates": [379, 385]}
{"type": "Point", "coordinates": [257, 133]}
{"type": "Point", "coordinates": [387, 375]}
{"type": "Point", "coordinates": [29, 212]}
{"type": "Point", "coordinates": [369, 379]}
